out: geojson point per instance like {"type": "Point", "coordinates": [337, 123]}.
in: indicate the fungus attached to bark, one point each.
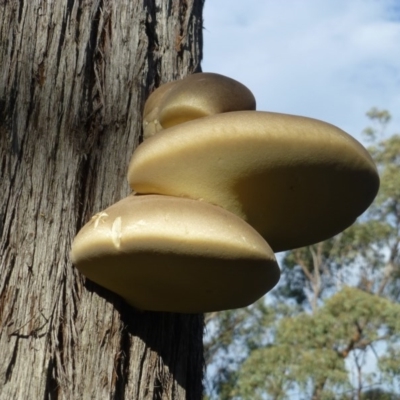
{"type": "Point", "coordinates": [216, 170]}
{"type": "Point", "coordinates": [193, 97]}
{"type": "Point", "coordinates": [296, 180]}
{"type": "Point", "coordinates": [164, 253]}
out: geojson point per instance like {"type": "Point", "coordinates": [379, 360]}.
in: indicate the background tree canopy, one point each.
{"type": "Point", "coordinates": [331, 329]}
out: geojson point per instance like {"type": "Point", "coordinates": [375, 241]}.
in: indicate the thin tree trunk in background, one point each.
{"type": "Point", "coordinates": [74, 75]}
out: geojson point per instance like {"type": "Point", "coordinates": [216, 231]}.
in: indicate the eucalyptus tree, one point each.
{"type": "Point", "coordinates": [73, 79]}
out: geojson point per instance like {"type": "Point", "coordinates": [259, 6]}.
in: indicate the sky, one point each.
{"type": "Point", "coordinates": [327, 59]}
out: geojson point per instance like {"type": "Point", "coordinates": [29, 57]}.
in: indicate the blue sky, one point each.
{"type": "Point", "coordinates": [328, 59]}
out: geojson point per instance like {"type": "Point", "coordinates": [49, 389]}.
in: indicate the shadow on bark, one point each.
{"type": "Point", "coordinates": [179, 346]}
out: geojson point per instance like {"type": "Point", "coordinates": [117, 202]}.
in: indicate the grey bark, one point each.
{"type": "Point", "coordinates": [74, 75]}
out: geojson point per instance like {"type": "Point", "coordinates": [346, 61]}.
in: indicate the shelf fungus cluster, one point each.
{"type": "Point", "coordinates": [220, 187]}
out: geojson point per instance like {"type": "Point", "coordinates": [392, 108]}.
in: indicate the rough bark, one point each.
{"type": "Point", "coordinates": [74, 75]}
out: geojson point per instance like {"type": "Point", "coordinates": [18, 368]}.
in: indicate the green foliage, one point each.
{"type": "Point", "coordinates": [380, 118]}
{"type": "Point", "coordinates": [310, 350]}
{"type": "Point", "coordinates": [337, 301]}
{"type": "Point", "coordinates": [390, 364]}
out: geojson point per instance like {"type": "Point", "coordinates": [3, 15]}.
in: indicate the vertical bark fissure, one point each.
{"type": "Point", "coordinates": [153, 59]}
{"type": "Point", "coordinates": [11, 363]}
{"type": "Point", "coordinates": [63, 32]}
{"type": "Point", "coordinates": [21, 7]}
{"type": "Point", "coordinates": [122, 365]}
{"type": "Point", "coordinates": [51, 384]}
{"type": "Point", "coordinates": [90, 53]}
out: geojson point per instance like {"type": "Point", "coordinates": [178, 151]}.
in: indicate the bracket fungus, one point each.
{"type": "Point", "coordinates": [164, 253]}
{"type": "Point", "coordinates": [219, 188]}
{"type": "Point", "coordinates": [296, 180]}
{"type": "Point", "coordinates": [196, 96]}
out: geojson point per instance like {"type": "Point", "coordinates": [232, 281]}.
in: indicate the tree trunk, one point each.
{"type": "Point", "coordinates": [74, 75]}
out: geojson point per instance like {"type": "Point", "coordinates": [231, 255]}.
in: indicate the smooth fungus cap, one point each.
{"type": "Point", "coordinates": [163, 253]}
{"type": "Point", "coordinates": [296, 180]}
{"type": "Point", "coordinates": [195, 96]}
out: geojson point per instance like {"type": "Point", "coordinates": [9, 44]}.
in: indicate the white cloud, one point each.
{"type": "Point", "coordinates": [331, 59]}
